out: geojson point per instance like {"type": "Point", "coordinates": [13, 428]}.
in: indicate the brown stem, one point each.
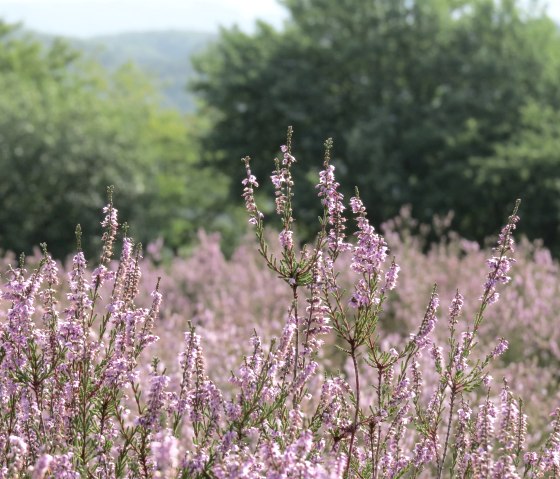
{"type": "Point", "coordinates": [378, 445]}
{"type": "Point", "coordinates": [451, 405]}
{"type": "Point", "coordinates": [356, 412]}
{"type": "Point", "coordinates": [294, 289]}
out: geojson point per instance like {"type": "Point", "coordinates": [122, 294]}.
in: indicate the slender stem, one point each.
{"type": "Point", "coordinates": [357, 410]}
{"type": "Point", "coordinates": [451, 405]}
{"type": "Point", "coordinates": [371, 439]}
{"type": "Point", "coordinates": [378, 445]}
{"type": "Point", "coordinates": [296, 336]}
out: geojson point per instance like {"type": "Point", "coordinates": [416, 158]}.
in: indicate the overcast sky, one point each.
{"type": "Point", "coordinates": [85, 18]}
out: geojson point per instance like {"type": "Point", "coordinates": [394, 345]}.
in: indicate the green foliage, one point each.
{"type": "Point", "coordinates": [68, 129]}
{"type": "Point", "coordinates": [527, 166]}
{"type": "Point", "coordinates": [426, 102]}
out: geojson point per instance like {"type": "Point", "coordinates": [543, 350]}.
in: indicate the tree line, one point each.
{"type": "Point", "coordinates": [441, 104]}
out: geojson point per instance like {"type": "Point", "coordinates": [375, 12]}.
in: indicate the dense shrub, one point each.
{"type": "Point", "coordinates": [353, 386]}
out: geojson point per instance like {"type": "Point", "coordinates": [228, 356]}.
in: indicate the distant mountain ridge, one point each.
{"type": "Point", "coordinates": [163, 55]}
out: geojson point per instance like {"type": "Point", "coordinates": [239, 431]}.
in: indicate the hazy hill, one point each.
{"type": "Point", "coordinates": [163, 55]}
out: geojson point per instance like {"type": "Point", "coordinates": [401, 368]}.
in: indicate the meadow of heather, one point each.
{"type": "Point", "coordinates": [365, 353]}
{"type": "Point", "coordinates": [375, 296]}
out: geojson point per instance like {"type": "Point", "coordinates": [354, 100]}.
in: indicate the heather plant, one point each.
{"type": "Point", "coordinates": [82, 394]}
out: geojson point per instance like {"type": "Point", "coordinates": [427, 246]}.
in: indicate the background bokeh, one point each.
{"type": "Point", "coordinates": [445, 105]}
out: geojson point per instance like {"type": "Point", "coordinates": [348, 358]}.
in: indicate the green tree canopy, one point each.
{"type": "Point", "coordinates": [68, 129]}
{"type": "Point", "coordinates": [424, 99]}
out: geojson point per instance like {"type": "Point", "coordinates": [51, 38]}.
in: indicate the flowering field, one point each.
{"type": "Point", "coordinates": [363, 355]}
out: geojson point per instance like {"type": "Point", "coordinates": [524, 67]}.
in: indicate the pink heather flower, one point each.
{"type": "Point", "coordinates": [463, 439]}
{"type": "Point", "coordinates": [370, 251]}
{"type": "Point", "coordinates": [131, 280]}
{"type": "Point", "coordinates": [50, 271]}
{"type": "Point", "coordinates": [357, 206]}
{"type": "Point", "coordinates": [125, 265]}
{"type": "Point", "coordinates": [461, 353]}
{"type": "Point", "coordinates": [484, 428]}
{"type": "Point", "coordinates": [505, 467]}
{"type": "Point", "coordinates": [417, 379]}
{"type": "Point", "coordinates": [423, 452]}
{"type": "Point", "coordinates": [505, 239]}
{"type": "Point", "coordinates": [436, 352]}
{"type": "Point", "coordinates": [501, 264]}
{"type": "Point", "coordinates": [191, 362]}
{"type": "Point", "coordinates": [391, 277]}
{"type": "Point", "coordinates": [432, 410]}
{"type": "Point", "coordinates": [156, 303]}
{"type": "Point", "coordinates": [250, 370]}
{"type": "Point", "coordinates": [492, 298]}
{"type": "Point", "coordinates": [288, 159]}
{"type": "Point", "coordinates": [156, 402]}
{"type": "Point", "coordinates": [232, 410]}
{"type": "Point", "coordinates": [101, 274]}
{"type": "Point", "coordinates": [530, 458]}
{"type": "Point", "coordinates": [464, 414]}
{"type": "Point", "coordinates": [211, 397]}
{"type": "Point", "coordinates": [455, 308]}
{"type": "Point", "coordinates": [362, 295]}
{"type": "Point", "coordinates": [286, 239]}
{"type": "Point", "coordinates": [282, 179]}
{"type": "Point", "coordinates": [500, 348]}
{"type": "Point", "coordinates": [42, 466]}
{"type": "Point", "coordinates": [332, 401]}
{"type": "Point", "coordinates": [19, 327]}
{"type": "Point", "coordinates": [401, 393]}
{"type": "Point", "coordinates": [79, 287]}
{"type": "Point", "coordinates": [17, 451]}
{"type": "Point", "coordinates": [278, 180]}
{"type": "Point", "coordinates": [111, 225]}
{"type": "Point", "coordinates": [119, 371]}
{"type": "Point", "coordinates": [251, 180]}
{"type": "Point", "coordinates": [499, 267]}
{"type": "Point", "coordinates": [249, 183]}
{"type": "Point", "coordinates": [145, 336]}
{"type": "Point", "coordinates": [126, 253]}
{"type": "Point", "coordinates": [295, 419]}
{"type": "Point", "coordinates": [487, 380]}
{"type": "Point", "coordinates": [195, 462]}
{"type": "Point", "coordinates": [331, 199]}
{"type": "Point", "coordinates": [428, 323]}
{"type": "Point", "coordinates": [286, 339]}
{"type": "Point", "coordinates": [165, 454]}
{"type": "Point", "coordinates": [317, 313]}
{"type": "Point", "coordinates": [304, 376]}
{"type": "Point", "coordinates": [510, 420]}
{"type": "Point", "coordinates": [131, 319]}
{"type": "Point", "coordinates": [61, 467]}
{"type": "Point", "coordinates": [228, 441]}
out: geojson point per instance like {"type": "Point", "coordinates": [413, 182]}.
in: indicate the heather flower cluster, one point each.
{"type": "Point", "coordinates": [332, 200]}
{"type": "Point", "coordinates": [330, 393]}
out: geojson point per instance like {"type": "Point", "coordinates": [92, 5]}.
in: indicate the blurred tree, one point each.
{"type": "Point", "coordinates": [527, 165]}
{"type": "Point", "coordinates": [68, 129]}
{"type": "Point", "coordinates": [424, 98]}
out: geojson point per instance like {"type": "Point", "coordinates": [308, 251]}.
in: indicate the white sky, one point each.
{"type": "Point", "coordinates": [85, 18]}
